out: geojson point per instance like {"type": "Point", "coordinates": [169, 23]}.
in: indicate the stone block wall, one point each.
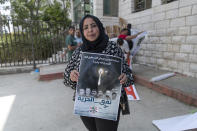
{"type": "Point", "coordinates": [98, 11]}
{"type": "Point", "coordinates": [172, 29]}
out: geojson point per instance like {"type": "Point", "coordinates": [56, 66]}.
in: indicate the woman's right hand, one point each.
{"type": "Point", "coordinates": [74, 75]}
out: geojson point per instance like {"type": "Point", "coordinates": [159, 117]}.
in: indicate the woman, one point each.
{"type": "Point", "coordinates": [96, 41]}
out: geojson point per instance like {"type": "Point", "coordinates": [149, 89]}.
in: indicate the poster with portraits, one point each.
{"type": "Point", "coordinates": [98, 88]}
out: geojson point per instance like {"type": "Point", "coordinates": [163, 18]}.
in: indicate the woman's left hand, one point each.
{"type": "Point", "coordinates": [122, 78]}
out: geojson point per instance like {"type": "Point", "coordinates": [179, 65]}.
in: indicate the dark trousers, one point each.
{"type": "Point", "coordinates": [130, 43]}
{"type": "Point", "coordinates": [97, 124]}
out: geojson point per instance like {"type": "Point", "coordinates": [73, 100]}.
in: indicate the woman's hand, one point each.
{"type": "Point", "coordinates": [74, 75]}
{"type": "Point", "coordinates": [123, 78]}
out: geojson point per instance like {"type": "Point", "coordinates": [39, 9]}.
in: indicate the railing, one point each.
{"type": "Point", "coordinates": [31, 43]}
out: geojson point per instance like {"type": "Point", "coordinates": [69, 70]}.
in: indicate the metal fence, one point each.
{"type": "Point", "coordinates": [31, 43]}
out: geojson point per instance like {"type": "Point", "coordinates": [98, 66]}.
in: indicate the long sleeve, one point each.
{"type": "Point", "coordinates": [72, 65]}
{"type": "Point", "coordinates": [126, 70]}
{"type": "Point", "coordinates": [128, 73]}
{"type": "Point", "coordinates": [115, 50]}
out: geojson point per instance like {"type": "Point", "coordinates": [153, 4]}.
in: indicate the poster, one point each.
{"type": "Point", "coordinates": [136, 43]}
{"type": "Point", "coordinates": [132, 93]}
{"type": "Point", "coordinates": [98, 88]}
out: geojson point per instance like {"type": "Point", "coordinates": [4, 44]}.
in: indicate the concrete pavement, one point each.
{"type": "Point", "coordinates": [38, 106]}
{"type": "Point", "coordinates": [48, 106]}
{"type": "Point", "coordinates": [180, 87]}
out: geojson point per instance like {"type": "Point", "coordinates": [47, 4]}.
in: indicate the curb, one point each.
{"type": "Point", "coordinates": [166, 90]}
{"type": "Point", "coordinates": [53, 76]}
{"type": "Point", "coordinates": [163, 89]}
{"type": "Point", "coordinates": [15, 70]}
{"type": "Point", "coordinates": [19, 69]}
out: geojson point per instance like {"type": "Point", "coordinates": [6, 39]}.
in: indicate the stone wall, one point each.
{"type": "Point", "coordinates": [172, 29]}
{"type": "Point", "coordinates": [98, 11]}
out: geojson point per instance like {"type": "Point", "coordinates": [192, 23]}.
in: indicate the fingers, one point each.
{"type": "Point", "coordinates": [74, 75]}
{"type": "Point", "coordinates": [123, 78]}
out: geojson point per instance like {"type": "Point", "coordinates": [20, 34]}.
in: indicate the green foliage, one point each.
{"type": "Point", "coordinates": [3, 1]}
{"type": "Point", "coordinates": [26, 9]}
{"type": "Point", "coordinates": [33, 10]}
{"type": "Point", "coordinates": [29, 28]}
{"type": "Point", "coordinates": [55, 14]}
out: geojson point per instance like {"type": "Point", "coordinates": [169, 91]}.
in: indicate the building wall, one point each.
{"type": "Point", "coordinates": [172, 30]}
{"type": "Point", "coordinates": [98, 11]}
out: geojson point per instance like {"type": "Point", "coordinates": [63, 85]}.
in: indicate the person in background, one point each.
{"type": "Point", "coordinates": [70, 41]}
{"type": "Point", "coordinates": [124, 35]}
{"type": "Point", "coordinates": [129, 29]}
{"type": "Point", "coordinates": [95, 40]}
{"type": "Point", "coordinates": [78, 38]}
{"type": "Point", "coordinates": [125, 48]}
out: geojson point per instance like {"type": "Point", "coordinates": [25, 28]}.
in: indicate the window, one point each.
{"type": "Point", "coordinates": [110, 7]}
{"type": "Point", "coordinates": [167, 1]}
{"type": "Point", "coordinates": [142, 5]}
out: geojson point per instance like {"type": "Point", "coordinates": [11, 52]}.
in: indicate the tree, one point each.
{"type": "Point", "coordinates": [30, 35]}
{"type": "Point", "coordinates": [26, 9]}
{"type": "Point", "coordinates": [33, 10]}
{"type": "Point", "coordinates": [29, 12]}
{"type": "Point", "coordinates": [3, 1]}
{"type": "Point", "coordinates": [5, 7]}
{"type": "Point", "coordinates": [56, 14]}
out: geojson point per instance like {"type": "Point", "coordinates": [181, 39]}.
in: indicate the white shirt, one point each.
{"type": "Point", "coordinates": [124, 47]}
{"type": "Point", "coordinates": [78, 40]}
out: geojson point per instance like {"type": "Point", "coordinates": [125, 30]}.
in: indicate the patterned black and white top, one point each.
{"type": "Point", "coordinates": [111, 49]}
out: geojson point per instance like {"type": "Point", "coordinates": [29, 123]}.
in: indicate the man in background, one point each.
{"type": "Point", "coordinates": [71, 42]}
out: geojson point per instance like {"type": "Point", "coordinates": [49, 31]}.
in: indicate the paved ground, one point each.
{"type": "Point", "coordinates": [180, 87]}
{"type": "Point", "coordinates": [186, 84]}
{"type": "Point", "coordinates": [47, 106]}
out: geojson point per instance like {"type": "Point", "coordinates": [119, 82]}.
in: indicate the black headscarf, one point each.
{"type": "Point", "coordinates": [100, 43]}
